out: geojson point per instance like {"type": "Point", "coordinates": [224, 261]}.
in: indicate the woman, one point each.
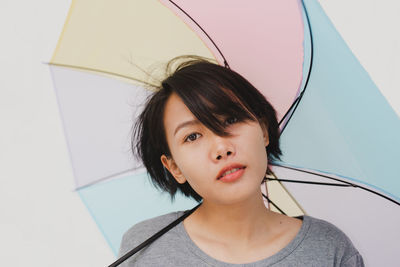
{"type": "Point", "coordinates": [209, 134]}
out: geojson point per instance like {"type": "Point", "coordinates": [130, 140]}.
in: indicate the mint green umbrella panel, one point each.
{"type": "Point", "coordinates": [344, 131]}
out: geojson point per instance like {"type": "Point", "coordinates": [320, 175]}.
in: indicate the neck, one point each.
{"type": "Point", "coordinates": [240, 223]}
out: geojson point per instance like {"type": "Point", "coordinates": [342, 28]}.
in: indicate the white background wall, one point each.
{"type": "Point", "coordinates": [42, 220]}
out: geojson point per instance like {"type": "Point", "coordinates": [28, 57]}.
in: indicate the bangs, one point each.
{"type": "Point", "coordinates": [212, 103]}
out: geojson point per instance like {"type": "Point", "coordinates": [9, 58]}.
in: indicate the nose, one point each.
{"type": "Point", "coordinates": [222, 148]}
{"type": "Point", "coordinates": [227, 154]}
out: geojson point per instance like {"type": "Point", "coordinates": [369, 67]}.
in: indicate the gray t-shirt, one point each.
{"type": "Point", "coordinates": [318, 243]}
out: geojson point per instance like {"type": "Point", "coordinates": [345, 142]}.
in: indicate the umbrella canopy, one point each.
{"type": "Point", "coordinates": [330, 131]}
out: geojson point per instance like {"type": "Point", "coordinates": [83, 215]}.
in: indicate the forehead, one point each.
{"type": "Point", "coordinates": [175, 112]}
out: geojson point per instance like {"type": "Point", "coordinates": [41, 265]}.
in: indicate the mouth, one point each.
{"type": "Point", "coordinates": [229, 171]}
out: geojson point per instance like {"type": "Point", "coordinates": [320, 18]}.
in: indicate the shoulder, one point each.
{"type": "Point", "coordinates": [141, 231]}
{"type": "Point", "coordinates": [330, 240]}
{"type": "Point", "coordinates": [322, 229]}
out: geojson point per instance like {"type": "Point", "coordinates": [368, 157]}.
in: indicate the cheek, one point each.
{"type": "Point", "coordinates": [190, 161]}
{"type": "Point", "coordinates": [258, 151]}
{"type": "Point", "coordinates": [256, 141]}
{"type": "Point", "coordinates": [195, 172]}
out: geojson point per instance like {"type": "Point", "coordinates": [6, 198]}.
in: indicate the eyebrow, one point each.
{"type": "Point", "coordinates": [185, 124]}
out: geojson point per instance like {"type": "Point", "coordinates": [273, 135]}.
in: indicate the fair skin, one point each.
{"type": "Point", "coordinates": [232, 224]}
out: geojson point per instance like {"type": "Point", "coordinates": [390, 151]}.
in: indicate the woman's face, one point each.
{"type": "Point", "coordinates": [201, 157]}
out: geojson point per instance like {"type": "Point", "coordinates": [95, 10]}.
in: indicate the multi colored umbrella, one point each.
{"type": "Point", "coordinates": [338, 132]}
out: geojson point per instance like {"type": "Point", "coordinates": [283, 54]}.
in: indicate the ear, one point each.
{"type": "Point", "coordinates": [265, 134]}
{"type": "Point", "coordinates": [170, 164]}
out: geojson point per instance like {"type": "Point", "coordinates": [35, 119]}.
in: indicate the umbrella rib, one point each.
{"type": "Point", "coordinates": [308, 182]}
{"type": "Point", "coordinates": [208, 36]}
{"type": "Point", "coordinates": [99, 71]}
{"type": "Point", "coordinates": [273, 204]}
{"type": "Point", "coordinates": [105, 178]}
{"type": "Point", "coordinates": [336, 179]}
{"type": "Point", "coordinates": [298, 99]}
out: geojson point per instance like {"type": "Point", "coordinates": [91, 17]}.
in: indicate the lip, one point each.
{"type": "Point", "coordinates": [231, 175]}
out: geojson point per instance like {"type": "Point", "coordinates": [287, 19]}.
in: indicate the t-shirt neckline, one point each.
{"type": "Point", "coordinates": [284, 252]}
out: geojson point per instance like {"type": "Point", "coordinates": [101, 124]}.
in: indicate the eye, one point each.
{"type": "Point", "coordinates": [231, 120]}
{"type": "Point", "coordinates": [192, 137]}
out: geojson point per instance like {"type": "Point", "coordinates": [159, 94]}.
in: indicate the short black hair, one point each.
{"type": "Point", "coordinates": [209, 91]}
